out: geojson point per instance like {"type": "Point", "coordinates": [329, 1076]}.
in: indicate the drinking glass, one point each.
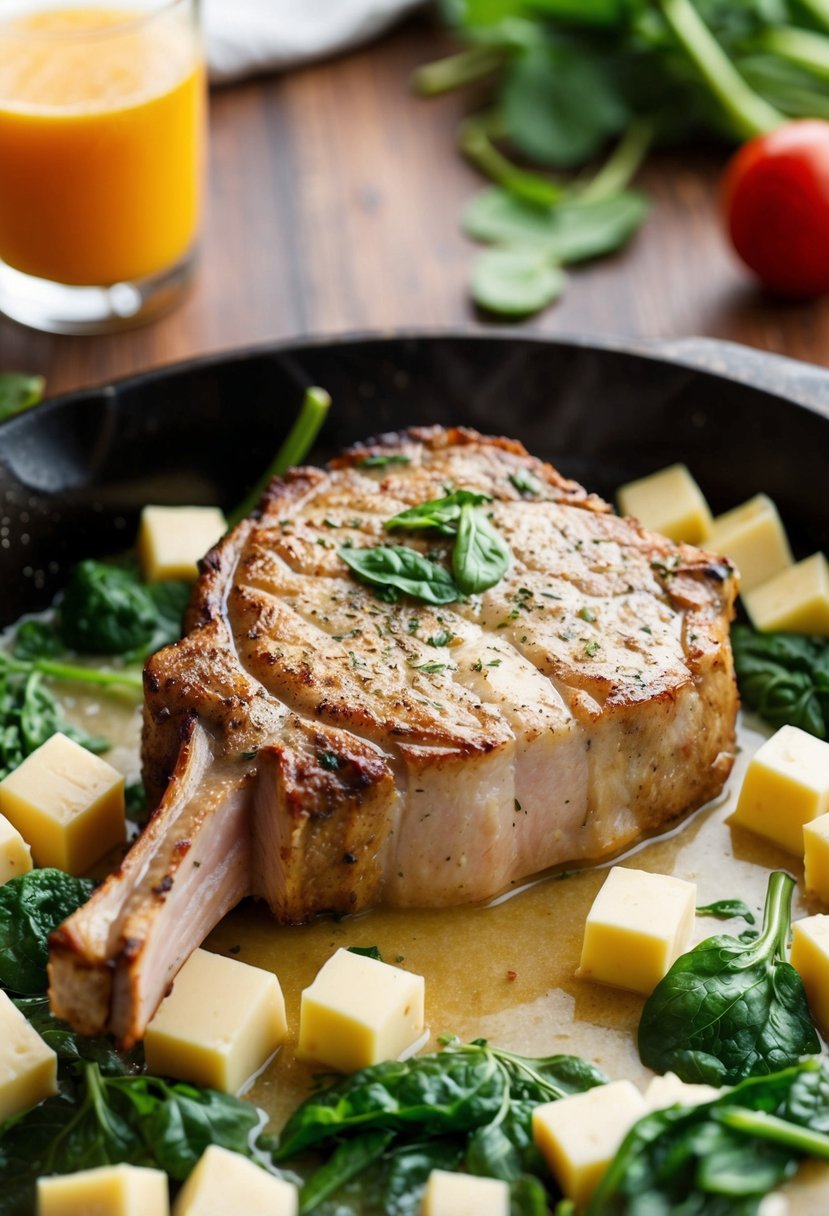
{"type": "Point", "coordinates": [102, 145]}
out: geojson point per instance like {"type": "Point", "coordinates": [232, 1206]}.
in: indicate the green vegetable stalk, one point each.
{"type": "Point", "coordinates": [730, 1009]}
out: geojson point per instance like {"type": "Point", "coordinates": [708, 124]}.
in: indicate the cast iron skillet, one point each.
{"type": "Point", "coordinates": [75, 472]}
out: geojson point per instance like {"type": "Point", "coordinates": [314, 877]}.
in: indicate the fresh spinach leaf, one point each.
{"type": "Point", "coordinates": [441, 514]}
{"type": "Point", "coordinates": [727, 909]}
{"type": "Point", "coordinates": [567, 233]}
{"type": "Point", "coordinates": [19, 391]}
{"type": "Point", "coordinates": [346, 1162]}
{"type": "Point", "coordinates": [516, 281]}
{"type": "Point", "coordinates": [31, 906]}
{"type": "Point", "coordinates": [720, 1158]}
{"type": "Point", "coordinates": [395, 568]}
{"type": "Point", "coordinates": [728, 1009]}
{"type": "Point", "coordinates": [784, 677]}
{"type": "Point", "coordinates": [367, 952]}
{"type": "Point", "coordinates": [101, 1120]}
{"type": "Point", "coordinates": [481, 556]}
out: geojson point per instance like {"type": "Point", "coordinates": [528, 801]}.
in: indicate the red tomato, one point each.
{"type": "Point", "coordinates": [776, 197]}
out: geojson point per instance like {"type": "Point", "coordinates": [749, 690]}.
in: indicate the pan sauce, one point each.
{"type": "Point", "coordinates": [504, 971]}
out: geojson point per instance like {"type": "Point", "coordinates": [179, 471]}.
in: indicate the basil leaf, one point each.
{"type": "Point", "coordinates": [728, 1009]}
{"type": "Point", "coordinates": [31, 906]}
{"type": "Point", "coordinates": [481, 556]}
{"type": "Point", "coordinates": [381, 461]}
{"type": "Point", "coordinates": [516, 282]}
{"type": "Point", "coordinates": [441, 513]}
{"type": "Point", "coordinates": [400, 569]}
{"type": "Point", "coordinates": [18, 392]}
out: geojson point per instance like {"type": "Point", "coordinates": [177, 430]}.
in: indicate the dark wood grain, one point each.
{"type": "Point", "coordinates": [333, 206]}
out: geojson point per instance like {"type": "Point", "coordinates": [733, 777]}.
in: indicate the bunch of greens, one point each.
{"type": "Point", "coordinates": [106, 1111]}
{"type": "Point", "coordinates": [108, 610]}
{"type": "Point", "coordinates": [468, 1106]}
{"type": "Point", "coordinates": [721, 1158]}
{"type": "Point", "coordinates": [480, 556]}
{"type": "Point", "coordinates": [784, 677]}
{"type": "Point", "coordinates": [568, 77]}
{"type": "Point", "coordinates": [731, 1009]}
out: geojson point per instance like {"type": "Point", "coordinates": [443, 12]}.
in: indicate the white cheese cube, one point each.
{"type": "Point", "coordinates": [109, 1190]}
{"type": "Point", "coordinates": [579, 1135]}
{"type": "Point", "coordinates": [28, 1068]}
{"type": "Point", "coordinates": [753, 537]}
{"type": "Point", "coordinates": [171, 540]}
{"type": "Point", "coordinates": [810, 958]}
{"type": "Point", "coordinates": [222, 1021]}
{"type": "Point", "coordinates": [67, 803]}
{"type": "Point", "coordinates": [450, 1194]}
{"type": "Point", "coordinates": [669, 502]}
{"type": "Point", "coordinates": [794, 601]}
{"type": "Point", "coordinates": [359, 1011]}
{"type": "Point", "coordinates": [670, 1091]}
{"type": "Point", "coordinates": [786, 785]}
{"type": "Point", "coordinates": [15, 854]}
{"type": "Point", "coordinates": [816, 857]}
{"type": "Point", "coordinates": [637, 928]}
{"type": "Point", "coordinates": [225, 1183]}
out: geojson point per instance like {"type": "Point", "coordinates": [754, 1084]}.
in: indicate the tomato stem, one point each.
{"type": "Point", "coordinates": [747, 112]}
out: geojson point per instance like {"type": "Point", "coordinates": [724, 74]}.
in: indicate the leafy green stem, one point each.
{"type": "Point", "coordinates": [475, 140]}
{"type": "Point", "coordinates": [819, 10]}
{"type": "Point", "coordinates": [294, 449]}
{"type": "Point", "coordinates": [455, 71]}
{"type": "Point", "coordinates": [776, 914]}
{"type": "Point", "coordinates": [73, 672]}
{"type": "Point", "coordinates": [778, 1131]}
{"type": "Point", "coordinates": [748, 113]}
{"type": "Point", "coordinates": [805, 48]}
{"type": "Point", "coordinates": [622, 164]}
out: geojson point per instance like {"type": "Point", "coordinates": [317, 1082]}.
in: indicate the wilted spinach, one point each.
{"type": "Point", "coordinates": [31, 906]}
{"type": "Point", "coordinates": [784, 677]}
{"type": "Point", "coordinates": [389, 1124]}
{"type": "Point", "coordinates": [108, 610]}
{"type": "Point", "coordinates": [29, 715]}
{"type": "Point", "coordinates": [723, 1157]}
{"type": "Point", "coordinates": [729, 1009]}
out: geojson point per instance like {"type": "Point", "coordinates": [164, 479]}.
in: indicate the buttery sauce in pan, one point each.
{"type": "Point", "coordinates": [504, 971]}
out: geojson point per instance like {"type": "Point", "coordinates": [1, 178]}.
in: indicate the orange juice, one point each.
{"type": "Point", "coordinates": [101, 143]}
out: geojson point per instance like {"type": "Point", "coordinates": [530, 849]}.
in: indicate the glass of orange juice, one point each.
{"type": "Point", "coordinates": [102, 136]}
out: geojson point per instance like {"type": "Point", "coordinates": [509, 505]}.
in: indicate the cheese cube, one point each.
{"type": "Point", "coordinates": [669, 502]}
{"type": "Point", "coordinates": [28, 1068]}
{"type": "Point", "coordinates": [774, 1205]}
{"type": "Point", "coordinates": [449, 1194]}
{"type": "Point", "coordinates": [670, 1091]}
{"type": "Point", "coordinates": [794, 601]}
{"type": "Point", "coordinates": [753, 537]}
{"type": "Point", "coordinates": [171, 540]}
{"type": "Point", "coordinates": [15, 854]}
{"type": "Point", "coordinates": [109, 1190]}
{"type": "Point", "coordinates": [578, 1135]}
{"type": "Point", "coordinates": [359, 1011]}
{"type": "Point", "coordinates": [809, 956]}
{"type": "Point", "coordinates": [225, 1183]}
{"type": "Point", "coordinates": [786, 785]}
{"type": "Point", "coordinates": [222, 1021]}
{"type": "Point", "coordinates": [816, 857]}
{"type": "Point", "coordinates": [67, 803]}
{"type": "Point", "coordinates": [637, 928]}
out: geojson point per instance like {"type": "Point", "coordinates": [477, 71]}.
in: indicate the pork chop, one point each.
{"type": "Point", "coordinates": [313, 745]}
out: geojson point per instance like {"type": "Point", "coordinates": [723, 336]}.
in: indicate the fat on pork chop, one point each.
{"type": "Point", "coordinates": [314, 746]}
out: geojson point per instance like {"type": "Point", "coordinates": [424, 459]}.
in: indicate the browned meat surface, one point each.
{"type": "Point", "coordinates": [331, 751]}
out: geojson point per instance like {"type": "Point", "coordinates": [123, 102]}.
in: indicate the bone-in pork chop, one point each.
{"type": "Point", "coordinates": [315, 746]}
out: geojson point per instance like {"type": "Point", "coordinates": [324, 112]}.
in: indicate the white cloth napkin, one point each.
{"type": "Point", "coordinates": [245, 37]}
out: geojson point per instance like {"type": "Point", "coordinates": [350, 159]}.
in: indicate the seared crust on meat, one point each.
{"type": "Point", "coordinates": [404, 753]}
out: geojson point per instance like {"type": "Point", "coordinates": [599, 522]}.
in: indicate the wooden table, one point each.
{"type": "Point", "coordinates": [334, 204]}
